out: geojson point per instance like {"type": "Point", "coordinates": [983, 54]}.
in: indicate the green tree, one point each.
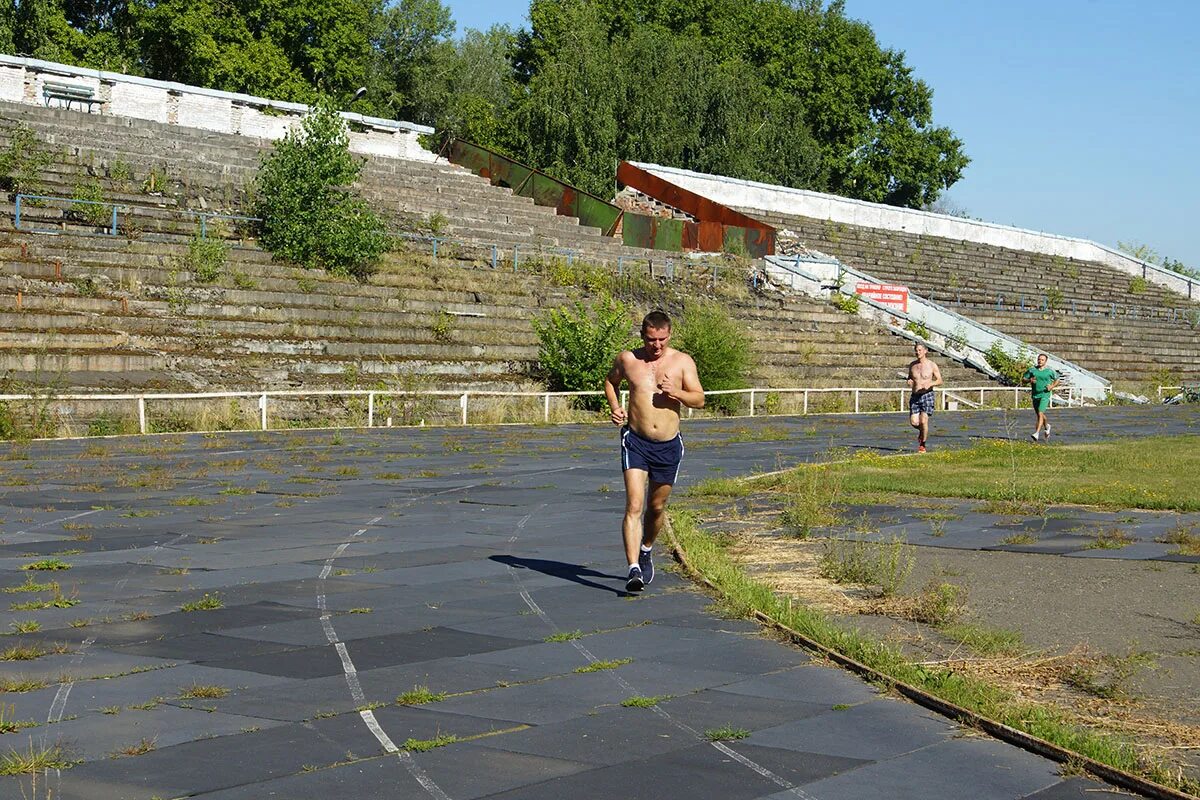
{"type": "Point", "coordinates": [304, 196]}
{"type": "Point", "coordinates": [577, 345]}
{"type": "Point", "coordinates": [721, 349]}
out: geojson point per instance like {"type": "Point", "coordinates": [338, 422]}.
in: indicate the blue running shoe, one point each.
{"type": "Point", "coordinates": [646, 564]}
{"type": "Point", "coordinates": [635, 582]}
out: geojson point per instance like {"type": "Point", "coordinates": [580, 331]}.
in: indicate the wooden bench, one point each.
{"type": "Point", "coordinates": [71, 93]}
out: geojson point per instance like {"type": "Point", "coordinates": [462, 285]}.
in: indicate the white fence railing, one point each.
{"type": "Point", "coordinates": [761, 401]}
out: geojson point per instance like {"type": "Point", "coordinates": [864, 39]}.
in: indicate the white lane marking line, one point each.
{"type": "Point", "coordinates": [626, 686]}
{"type": "Point", "coordinates": [356, 691]}
{"type": "Point", "coordinates": [368, 716]}
{"type": "Point", "coordinates": [55, 521]}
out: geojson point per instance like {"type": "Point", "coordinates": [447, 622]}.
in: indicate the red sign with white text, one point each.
{"type": "Point", "coordinates": [886, 294]}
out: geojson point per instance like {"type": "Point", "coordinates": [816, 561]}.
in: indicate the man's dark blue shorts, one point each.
{"type": "Point", "coordinates": [659, 459]}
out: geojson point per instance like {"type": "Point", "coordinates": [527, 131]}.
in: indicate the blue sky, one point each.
{"type": "Point", "coordinates": [1081, 117]}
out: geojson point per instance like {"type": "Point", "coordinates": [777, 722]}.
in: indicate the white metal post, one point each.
{"type": "Point", "coordinates": [856, 401]}
{"type": "Point", "coordinates": [262, 408]}
{"type": "Point", "coordinates": [806, 401]}
{"type": "Point", "coordinates": [142, 414]}
{"type": "Point", "coordinates": [546, 408]}
{"type": "Point", "coordinates": [901, 406]}
{"type": "Point", "coordinates": [981, 398]}
{"type": "Point", "coordinates": [462, 401]}
{"type": "Point", "coordinates": [752, 402]}
{"type": "Point", "coordinates": [371, 410]}
{"type": "Point", "coordinates": [1016, 398]}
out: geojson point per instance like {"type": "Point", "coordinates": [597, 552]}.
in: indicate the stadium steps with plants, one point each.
{"type": "Point", "coordinates": [141, 319]}
{"type": "Point", "coordinates": [219, 168]}
{"type": "Point", "coordinates": [1129, 330]}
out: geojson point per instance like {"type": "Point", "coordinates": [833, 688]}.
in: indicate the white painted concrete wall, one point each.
{"type": "Point", "coordinates": [802, 203]}
{"type": "Point", "coordinates": [21, 81]}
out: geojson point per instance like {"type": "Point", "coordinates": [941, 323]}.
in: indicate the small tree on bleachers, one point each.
{"type": "Point", "coordinates": [303, 194]}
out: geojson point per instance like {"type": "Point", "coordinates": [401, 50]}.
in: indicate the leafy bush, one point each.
{"type": "Point", "coordinates": [1138, 285]}
{"type": "Point", "coordinates": [845, 302]}
{"type": "Point", "coordinates": [22, 161]}
{"type": "Point", "coordinates": [85, 197]}
{"type": "Point", "coordinates": [918, 327]}
{"type": "Point", "coordinates": [310, 216]}
{"type": "Point", "coordinates": [721, 350]}
{"type": "Point", "coordinates": [577, 345]}
{"type": "Point", "coordinates": [206, 258]}
{"type": "Point", "coordinates": [1011, 367]}
{"type": "Point", "coordinates": [957, 339]}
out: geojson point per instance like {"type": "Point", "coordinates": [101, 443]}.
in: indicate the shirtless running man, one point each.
{"type": "Point", "coordinates": [661, 379]}
{"type": "Point", "coordinates": [923, 375]}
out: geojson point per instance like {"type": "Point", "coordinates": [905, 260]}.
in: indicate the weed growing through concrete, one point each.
{"type": "Point", "coordinates": [30, 585]}
{"type": "Point", "coordinates": [10, 725]}
{"type": "Point", "coordinates": [564, 636]}
{"type": "Point", "coordinates": [25, 626]}
{"type": "Point", "coordinates": [1019, 538]}
{"type": "Point", "coordinates": [17, 684]}
{"type": "Point", "coordinates": [639, 701]}
{"type": "Point", "coordinates": [209, 602]}
{"type": "Point", "coordinates": [884, 565]}
{"type": "Point", "coordinates": [1110, 539]}
{"type": "Point", "coordinates": [35, 759]}
{"type": "Point", "coordinates": [597, 666]}
{"type": "Point", "coordinates": [421, 745]}
{"type": "Point", "coordinates": [419, 696]}
{"type": "Point", "coordinates": [202, 692]}
{"type": "Point", "coordinates": [138, 748]}
{"type": "Point", "coordinates": [725, 733]}
{"type": "Point", "coordinates": [47, 565]}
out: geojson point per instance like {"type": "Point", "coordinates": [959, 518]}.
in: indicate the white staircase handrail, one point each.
{"type": "Point", "coordinates": [950, 333]}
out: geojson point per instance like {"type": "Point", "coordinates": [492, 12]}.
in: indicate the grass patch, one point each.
{"type": "Point", "coordinates": [209, 602]}
{"type": "Point", "coordinates": [1019, 538]}
{"type": "Point", "coordinates": [138, 748]}
{"type": "Point", "coordinates": [192, 500]}
{"type": "Point", "coordinates": [745, 595]}
{"type": "Point", "coordinates": [1186, 536]}
{"type": "Point", "coordinates": [1110, 539]}
{"type": "Point", "coordinates": [59, 600]}
{"type": "Point", "coordinates": [18, 684]}
{"type": "Point", "coordinates": [47, 565]}
{"type": "Point", "coordinates": [639, 701]}
{"type": "Point", "coordinates": [983, 641]}
{"type": "Point", "coordinates": [33, 760]}
{"type": "Point", "coordinates": [200, 692]}
{"type": "Point", "coordinates": [598, 666]}
{"type": "Point", "coordinates": [10, 725]}
{"type": "Point", "coordinates": [25, 626]}
{"type": "Point", "coordinates": [725, 733]}
{"type": "Point", "coordinates": [30, 585]}
{"type": "Point", "coordinates": [884, 565]}
{"type": "Point", "coordinates": [419, 696]}
{"type": "Point", "coordinates": [564, 636]}
{"type": "Point", "coordinates": [421, 745]}
{"type": "Point", "coordinates": [363, 610]}
{"type": "Point", "coordinates": [1154, 473]}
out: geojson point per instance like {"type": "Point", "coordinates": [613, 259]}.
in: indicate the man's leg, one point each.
{"type": "Point", "coordinates": [924, 428]}
{"type": "Point", "coordinates": [635, 507]}
{"type": "Point", "coordinates": [656, 513]}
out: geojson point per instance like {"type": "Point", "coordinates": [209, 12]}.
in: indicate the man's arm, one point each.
{"type": "Point", "coordinates": [1054, 383]}
{"type": "Point", "coordinates": [690, 393]}
{"type": "Point", "coordinates": [612, 391]}
{"type": "Point", "coordinates": [937, 377]}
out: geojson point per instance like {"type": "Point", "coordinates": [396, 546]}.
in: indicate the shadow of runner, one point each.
{"type": "Point", "coordinates": [577, 573]}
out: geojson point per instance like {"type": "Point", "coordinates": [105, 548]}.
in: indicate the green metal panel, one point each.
{"type": "Point", "coordinates": [668, 234]}
{"type": "Point", "coordinates": [637, 230]}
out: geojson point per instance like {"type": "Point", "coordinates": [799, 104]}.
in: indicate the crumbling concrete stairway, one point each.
{"type": "Point", "coordinates": [1132, 332]}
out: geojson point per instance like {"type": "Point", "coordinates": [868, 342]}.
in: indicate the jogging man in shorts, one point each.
{"type": "Point", "coordinates": [1042, 381]}
{"type": "Point", "coordinates": [661, 380]}
{"type": "Point", "coordinates": [923, 375]}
